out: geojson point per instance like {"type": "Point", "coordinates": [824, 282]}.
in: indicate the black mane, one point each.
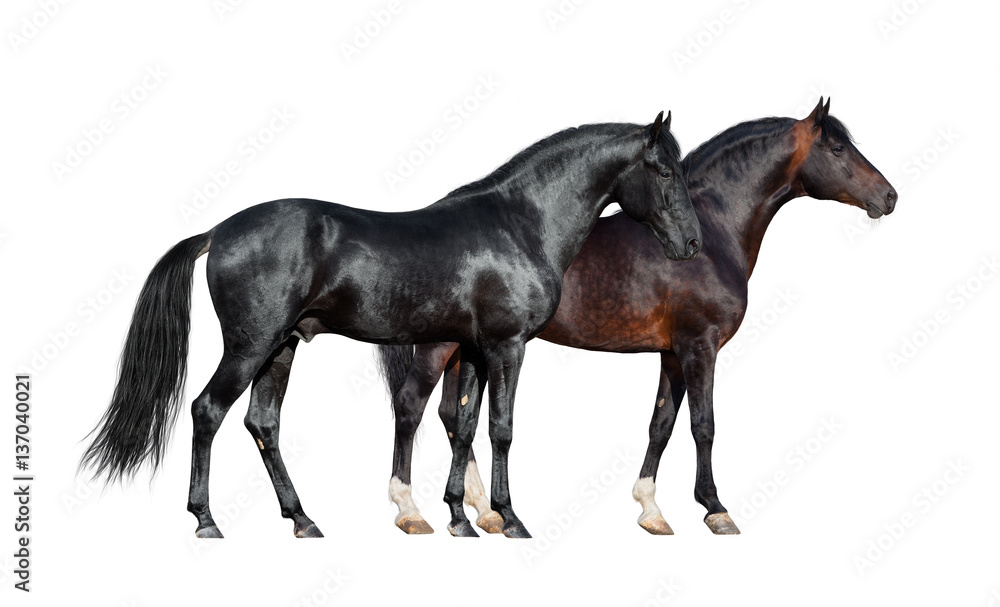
{"type": "Point", "coordinates": [735, 137]}
{"type": "Point", "coordinates": [533, 152]}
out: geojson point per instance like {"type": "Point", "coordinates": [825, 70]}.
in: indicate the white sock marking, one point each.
{"type": "Point", "coordinates": [475, 493]}
{"type": "Point", "coordinates": [399, 493]}
{"type": "Point", "coordinates": [643, 492]}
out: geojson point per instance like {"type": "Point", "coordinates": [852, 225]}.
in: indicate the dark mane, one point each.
{"type": "Point", "coordinates": [536, 152]}
{"type": "Point", "coordinates": [763, 129]}
{"type": "Point", "coordinates": [832, 127]}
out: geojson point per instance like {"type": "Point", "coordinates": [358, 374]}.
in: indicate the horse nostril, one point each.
{"type": "Point", "coordinates": [890, 199]}
{"type": "Point", "coordinates": [693, 247]}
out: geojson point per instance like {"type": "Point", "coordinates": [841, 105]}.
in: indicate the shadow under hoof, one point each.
{"type": "Point", "coordinates": [209, 533]}
{"type": "Point", "coordinates": [721, 524]}
{"type": "Point", "coordinates": [657, 525]}
{"type": "Point", "coordinates": [516, 531]}
{"type": "Point", "coordinates": [491, 522]}
{"type": "Point", "coordinates": [463, 529]}
{"type": "Point", "coordinates": [414, 524]}
{"type": "Point", "coordinates": [310, 531]}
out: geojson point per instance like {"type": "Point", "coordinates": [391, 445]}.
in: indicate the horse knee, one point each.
{"type": "Point", "coordinates": [703, 433]}
{"type": "Point", "coordinates": [501, 435]}
{"type": "Point", "coordinates": [262, 427]}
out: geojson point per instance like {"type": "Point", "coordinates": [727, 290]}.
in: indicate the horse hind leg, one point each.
{"type": "Point", "coordinates": [263, 420]}
{"type": "Point", "coordinates": [408, 407]}
{"type": "Point", "coordinates": [668, 402]}
{"type": "Point", "coordinates": [230, 380]}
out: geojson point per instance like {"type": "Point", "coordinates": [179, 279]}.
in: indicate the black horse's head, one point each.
{"type": "Point", "coordinates": [653, 191]}
{"type": "Point", "coordinates": [831, 168]}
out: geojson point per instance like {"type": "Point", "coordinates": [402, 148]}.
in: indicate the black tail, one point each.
{"type": "Point", "coordinates": [394, 364]}
{"type": "Point", "coordinates": [136, 427]}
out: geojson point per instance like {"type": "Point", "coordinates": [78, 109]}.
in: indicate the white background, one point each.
{"type": "Point", "coordinates": [859, 293]}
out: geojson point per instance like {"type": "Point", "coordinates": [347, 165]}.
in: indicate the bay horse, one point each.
{"type": "Point", "coordinates": [481, 267]}
{"type": "Point", "coordinates": [620, 294]}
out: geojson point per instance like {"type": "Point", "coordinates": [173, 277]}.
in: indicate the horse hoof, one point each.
{"type": "Point", "coordinates": [208, 532]}
{"type": "Point", "coordinates": [491, 522]}
{"type": "Point", "coordinates": [463, 529]}
{"type": "Point", "coordinates": [656, 524]}
{"type": "Point", "coordinates": [414, 524]}
{"type": "Point", "coordinates": [310, 531]}
{"type": "Point", "coordinates": [516, 530]}
{"type": "Point", "coordinates": [721, 524]}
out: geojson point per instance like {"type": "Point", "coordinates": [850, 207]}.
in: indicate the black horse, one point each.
{"type": "Point", "coordinates": [620, 295]}
{"type": "Point", "coordinates": [482, 267]}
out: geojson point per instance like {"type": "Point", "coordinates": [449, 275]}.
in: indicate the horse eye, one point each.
{"type": "Point", "coordinates": [837, 151]}
{"type": "Point", "coordinates": [666, 174]}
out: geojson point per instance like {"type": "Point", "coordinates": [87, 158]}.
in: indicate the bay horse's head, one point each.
{"type": "Point", "coordinates": [830, 167]}
{"type": "Point", "coordinates": [653, 191]}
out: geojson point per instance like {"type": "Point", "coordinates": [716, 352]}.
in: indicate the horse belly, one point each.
{"type": "Point", "coordinates": [610, 328]}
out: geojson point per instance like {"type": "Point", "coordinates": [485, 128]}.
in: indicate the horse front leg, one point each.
{"type": "Point", "coordinates": [668, 401]}
{"type": "Point", "coordinates": [503, 365]}
{"type": "Point", "coordinates": [475, 492]}
{"type": "Point", "coordinates": [698, 363]}
{"type": "Point", "coordinates": [471, 383]}
{"type": "Point", "coordinates": [408, 405]}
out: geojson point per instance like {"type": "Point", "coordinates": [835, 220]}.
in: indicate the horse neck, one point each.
{"type": "Point", "coordinates": [569, 200]}
{"type": "Point", "coordinates": [736, 199]}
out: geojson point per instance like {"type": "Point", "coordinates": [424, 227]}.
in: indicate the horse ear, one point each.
{"type": "Point", "coordinates": [666, 123]}
{"type": "Point", "coordinates": [654, 131]}
{"type": "Point", "coordinates": [816, 117]}
{"type": "Point", "coordinates": [826, 108]}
